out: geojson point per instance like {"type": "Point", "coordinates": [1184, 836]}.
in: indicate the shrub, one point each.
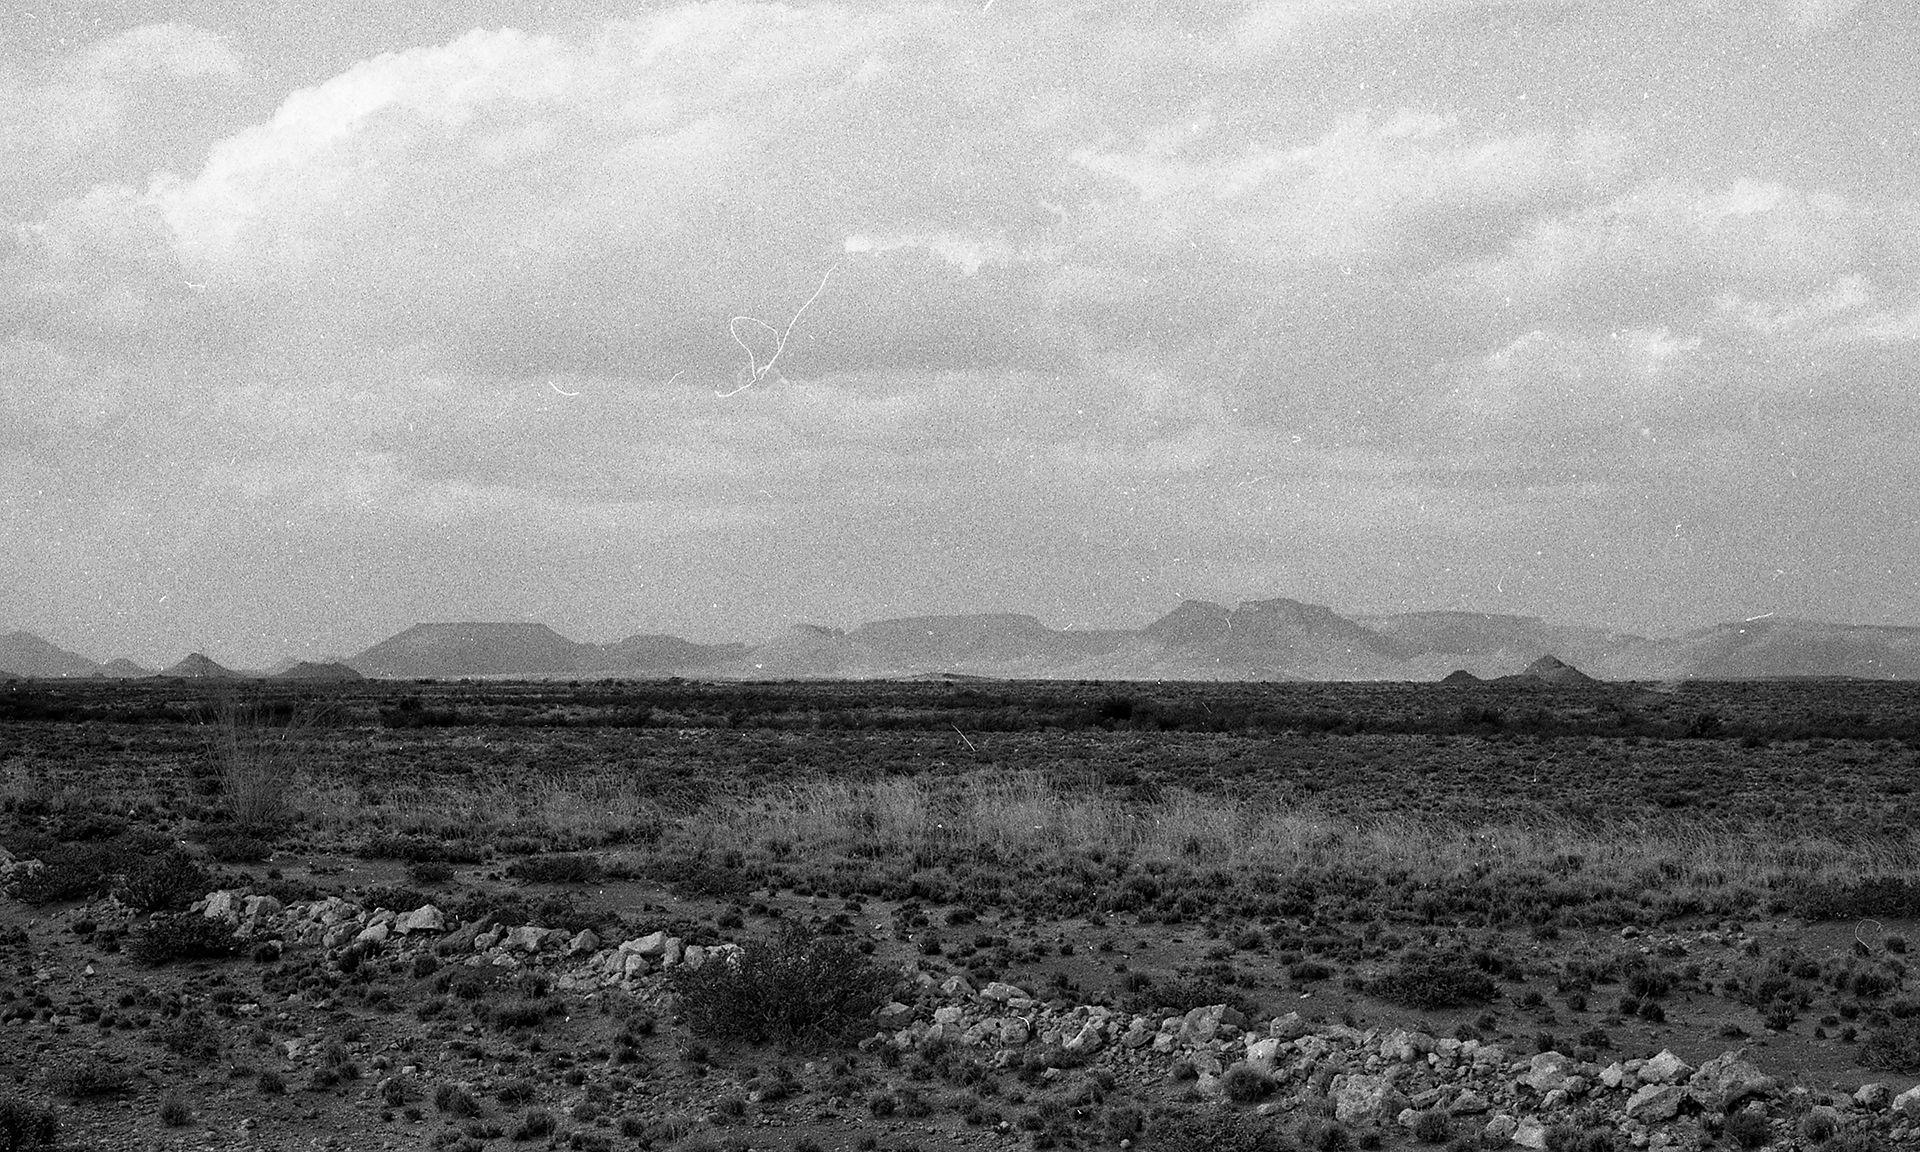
{"type": "Point", "coordinates": [1245, 1084]}
{"type": "Point", "coordinates": [1216, 1131]}
{"type": "Point", "coordinates": [86, 1076]}
{"type": "Point", "coordinates": [174, 1112]}
{"type": "Point", "coordinates": [166, 883]}
{"type": "Point", "coordinates": [68, 872]}
{"type": "Point", "coordinates": [533, 1125]}
{"type": "Point", "coordinates": [1819, 1127]}
{"type": "Point", "coordinates": [563, 868]}
{"type": "Point", "coordinates": [1893, 1048]}
{"type": "Point", "coordinates": [191, 1037]}
{"type": "Point", "coordinates": [234, 846]}
{"type": "Point", "coordinates": [185, 937]}
{"type": "Point", "coordinates": [26, 1127]}
{"type": "Point", "coordinates": [271, 1084]}
{"type": "Point", "coordinates": [1434, 981]}
{"type": "Point", "coordinates": [1573, 1138]}
{"type": "Point", "coordinates": [455, 1101]}
{"type": "Point", "coordinates": [1749, 1129]}
{"type": "Point", "coordinates": [1432, 1127]}
{"type": "Point", "coordinates": [798, 989]}
{"type": "Point", "coordinates": [1320, 1134]}
{"type": "Point", "coordinates": [255, 756]}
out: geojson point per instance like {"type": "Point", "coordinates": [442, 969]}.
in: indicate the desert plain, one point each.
{"type": "Point", "coordinates": [957, 913]}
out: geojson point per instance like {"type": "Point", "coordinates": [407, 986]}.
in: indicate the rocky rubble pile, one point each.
{"type": "Point", "coordinates": [1377, 1077]}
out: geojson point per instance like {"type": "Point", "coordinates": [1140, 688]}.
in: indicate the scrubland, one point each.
{"type": "Point", "coordinates": [1600, 872]}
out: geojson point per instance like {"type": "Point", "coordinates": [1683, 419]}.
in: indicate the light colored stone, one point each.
{"type": "Point", "coordinates": [426, 918]}
{"type": "Point", "coordinates": [257, 908]}
{"type": "Point", "coordinates": [1665, 1068]}
{"type": "Point", "coordinates": [1264, 1055]}
{"type": "Point", "coordinates": [1726, 1080]}
{"type": "Point", "coordinates": [1362, 1098]}
{"type": "Point", "coordinates": [1874, 1097]}
{"type": "Point", "coordinates": [956, 986]}
{"type": "Point", "coordinates": [1202, 1024]}
{"type": "Point", "coordinates": [526, 939]}
{"type": "Point", "coordinates": [999, 992]}
{"type": "Point", "coordinates": [1529, 1132]}
{"type": "Point", "coordinates": [1613, 1075]}
{"type": "Point", "coordinates": [695, 958]}
{"type": "Point", "coordinates": [1088, 1040]}
{"type": "Point", "coordinates": [1652, 1103]}
{"type": "Point", "coordinates": [1014, 1031]}
{"type": "Point", "coordinates": [1548, 1071]}
{"type": "Point", "coordinates": [652, 944]}
{"type": "Point", "coordinates": [584, 943]}
{"type": "Point", "coordinates": [671, 954]}
{"type": "Point", "coordinates": [1469, 1103]}
{"type": "Point", "coordinates": [373, 934]}
{"type": "Point", "coordinates": [1908, 1103]}
{"type": "Point", "coordinates": [949, 1014]}
{"type": "Point", "coordinates": [1501, 1127]}
{"type": "Point", "coordinates": [223, 905]}
{"type": "Point", "coordinates": [1288, 1027]}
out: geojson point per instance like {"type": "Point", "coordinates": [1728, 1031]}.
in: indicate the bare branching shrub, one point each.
{"type": "Point", "coordinates": [256, 754]}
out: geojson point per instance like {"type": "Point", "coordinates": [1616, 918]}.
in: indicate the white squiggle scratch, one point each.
{"type": "Point", "coordinates": [756, 371]}
{"type": "Point", "coordinates": [560, 390]}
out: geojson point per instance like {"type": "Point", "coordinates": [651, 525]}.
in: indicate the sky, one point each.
{"type": "Point", "coordinates": [321, 319]}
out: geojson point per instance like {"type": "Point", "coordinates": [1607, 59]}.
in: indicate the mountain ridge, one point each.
{"type": "Point", "coordinates": [1263, 639]}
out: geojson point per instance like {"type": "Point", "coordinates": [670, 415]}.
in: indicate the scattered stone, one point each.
{"type": "Point", "coordinates": [1726, 1080]}
{"type": "Point", "coordinates": [1652, 1103]}
{"type": "Point", "coordinates": [1362, 1098]}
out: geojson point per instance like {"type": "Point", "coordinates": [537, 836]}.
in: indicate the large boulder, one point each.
{"type": "Point", "coordinates": [1363, 1098]}
{"type": "Point", "coordinates": [1726, 1080]}
{"type": "Point", "coordinates": [1665, 1068]}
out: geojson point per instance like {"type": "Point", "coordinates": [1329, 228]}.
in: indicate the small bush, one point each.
{"type": "Point", "coordinates": [86, 1076]}
{"type": "Point", "coordinates": [1432, 1127]}
{"type": "Point", "coordinates": [1573, 1138]}
{"type": "Point", "coordinates": [68, 872]}
{"type": "Point", "coordinates": [174, 1112]}
{"type": "Point", "coordinates": [1893, 1048]}
{"type": "Point", "coordinates": [561, 868]}
{"type": "Point", "coordinates": [1819, 1127]}
{"type": "Point", "coordinates": [1216, 1131]}
{"type": "Point", "coordinates": [1749, 1129]}
{"type": "Point", "coordinates": [798, 989]}
{"type": "Point", "coordinates": [165, 883]}
{"type": "Point", "coordinates": [1323, 1135]}
{"type": "Point", "coordinates": [185, 936]}
{"type": "Point", "coordinates": [191, 1037]}
{"type": "Point", "coordinates": [235, 846]}
{"type": "Point", "coordinates": [1245, 1084]}
{"type": "Point", "coordinates": [455, 1101]}
{"type": "Point", "coordinates": [27, 1127]}
{"type": "Point", "coordinates": [533, 1125]}
{"type": "Point", "coordinates": [271, 1084]}
{"type": "Point", "coordinates": [1434, 981]}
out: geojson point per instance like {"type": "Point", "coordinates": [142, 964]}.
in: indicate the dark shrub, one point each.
{"type": "Point", "coordinates": [26, 1127]}
{"type": "Point", "coordinates": [165, 883]}
{"type": "Point", "coordinates": [185, 936]}
{"type": "Point", "coordinates": [1245, 1084]}
{"type": "Point", "coordinates": [1432, 1127]}
{"type": "Point", "coordinates": [86, 1076]}
{"type": "Point", "coordinates": [1216, 1131]}
{"type": "Point", "coordinates": [533, 1125]}
{"type": "Point", "coordinates": [1893, 1048]}
{"type": "Point", "coordinates": [174, 1112]}
{"type": "Point", "coordinates": [1434, 981]}
{"type": "Point", "coordinates": [563, 868]}
{"type": "Point", "coordinates": [191, 1037]}
{"type": "Point", "coordinates": [798, 989]}
{"type": "Point", "coordinates": [70, 872]}
{"type": "Point", "coordinates": [1749, 1129]}
{"type": "Point", "coordinates": [236, 846]}
{"type": "Point", "coordinates": [1573, 1138]}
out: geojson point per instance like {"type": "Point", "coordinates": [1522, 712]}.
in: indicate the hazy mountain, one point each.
{"type": "Point", "coordinates": [312, 670]}
{"type": "Point", "coordinates": [1553, 670]}
{"type": "Point", "coordinates": [474, 649]}
{"type": "Point", "coordinates": [1489, 644]}
{"type": "Point", "coordinates": [1277, 638]}
{"type": "Point", "coordinates": [197, 666]}
{"type": "Point", "coordinates": [1775, 646]}
{"type": "Point", "coordinates": [663, 655]}
{"type": "Point", "coordinates": [121, 668]}
{"type": "Point", "coordinates": [24, 654]}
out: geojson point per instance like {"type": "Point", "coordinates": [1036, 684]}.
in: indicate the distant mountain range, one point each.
{"type": "Point", "coordinates": [1255, 640]}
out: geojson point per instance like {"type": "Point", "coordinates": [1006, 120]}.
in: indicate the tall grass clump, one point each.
{"type": "Point", "coordinates": [256, 760]}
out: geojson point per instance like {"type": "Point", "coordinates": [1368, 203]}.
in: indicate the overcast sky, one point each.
{"type": "Point", "coordinates": [321, 319]}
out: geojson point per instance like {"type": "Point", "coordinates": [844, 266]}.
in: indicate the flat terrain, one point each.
{"type": "Point", "coordinates": [1598, 871]}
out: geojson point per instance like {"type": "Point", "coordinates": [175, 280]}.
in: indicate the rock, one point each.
{"type": "Point", "coordinates": [1288, 1027]}
{"type": "Point", "coordinates": [1613, 1075]}
{"type": "Point", "coordinates": [893, 1013]}
{"type": "Point", "coordinates": [1139, 1034]}
{"type": "Point", "coordinates": [1404, 1047]}
{"type": "Point", "coordinates": [1087, 1041]}
{"type": "Point", "coordinates": [1873, 1097]}
{"type": "Point", "coordinates": [652, 944]}
{"type": "Point", "coordinates": [1665, 1068]}
{"type": "Point", "coordinates": [1501, 1127]}
{"type": "Point", "coordinates": [1208, 1085]}
{"type": "Point", "coordinates": [950, 1014]}
{"type": "Point", "coordinates": [223, 905]}
{"type": "Point", "coordinates": [526, 938]}
{"type": "Point", "coordinates": [1724, 1081]}
{"type": "Point", "coordinates": [1000, 993]}
{"type": "Point", "coordinates": [373, 934]}
{"type": "Point", "coordinates": [1548, 1071]}
{"type": "Point", "coordinates": [1363, 1098]}
{"type": "Point", "coordinates": [695, 958]}
{"type": "Point", "coordinates": [956, 986]}
{"type": "Point", "coordinates": [1908, 1103]}
{"type": "Point", "coordinates": [633, 964]}
{"type": "Point", "coordinates": [257, 908]}
{"type": "Point", "coordinates": [1652, 1103]}
{"type": "Point", "coordinates": [980, 1032]}
{"type": "Point", "coordinates": [1015, 1031]}
{"type": "Point", "coordinates": [1202, 1024]}
{"type": "Point", "coordinates": [1529, 1132]}
{"type": "Point", "coordinates": [1263, 1055]}
{"type": "Point", "coordinates": [425, 918]}
{"type": "Point", "coordinates": [1469, 1103]}
{"type": "Point", "coordinates": [584, 943]}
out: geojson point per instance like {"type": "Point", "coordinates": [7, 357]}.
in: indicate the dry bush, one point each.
{"type": "Point", "coordinates": [798, 989]}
